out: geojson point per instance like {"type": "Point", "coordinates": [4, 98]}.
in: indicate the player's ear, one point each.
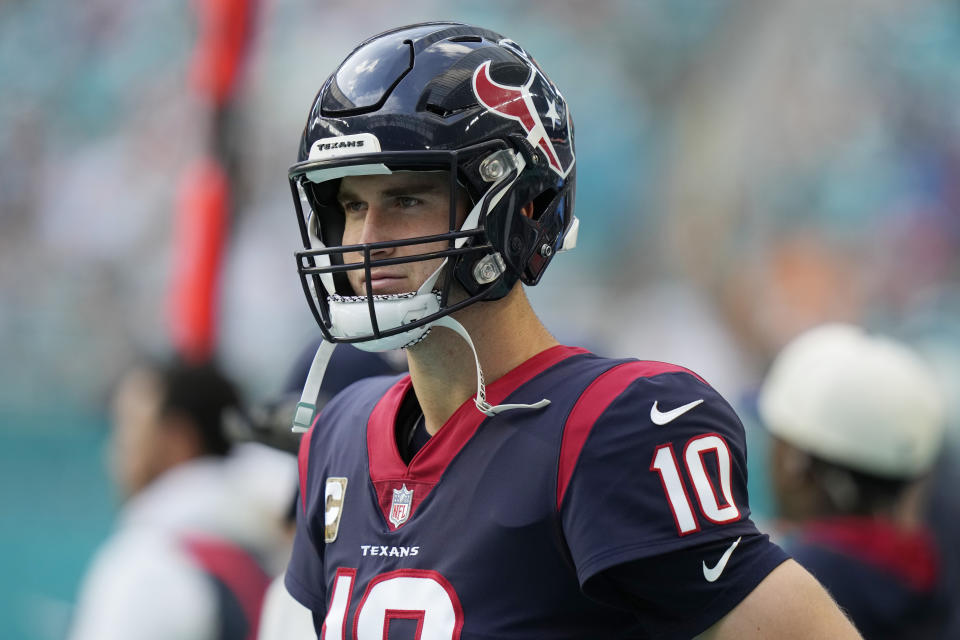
{"type": "Point", "coordinates": [527, 209]}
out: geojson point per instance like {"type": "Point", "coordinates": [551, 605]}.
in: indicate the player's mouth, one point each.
{"type": "Point", "coordinates": [383, 283]}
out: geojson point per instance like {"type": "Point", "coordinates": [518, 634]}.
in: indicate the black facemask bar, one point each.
{"type": "Point", "coordinates": [310, 274]}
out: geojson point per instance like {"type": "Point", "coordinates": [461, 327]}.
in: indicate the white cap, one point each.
{"type": "Point", "coordinates": [864, 402]}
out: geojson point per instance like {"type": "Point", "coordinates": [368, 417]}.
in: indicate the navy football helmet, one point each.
{"type": "Point", "coordinates": [435, 97]}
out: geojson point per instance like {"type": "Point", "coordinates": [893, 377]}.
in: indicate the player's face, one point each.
{"type": "Point", "coordinates": [135, 442]}
{"type": "Point", "coordinates": [405, 204]}
{"type": "Point", "coordinates": [792, 485]}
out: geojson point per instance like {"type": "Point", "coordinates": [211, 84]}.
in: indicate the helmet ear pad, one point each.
{"type": "Point", "coordinates": [527, 244]}
{"type": "Point", "coordinates": [552, 213]}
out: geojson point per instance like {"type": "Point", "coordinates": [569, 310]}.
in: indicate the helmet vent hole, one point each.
{"type": "Point", "coordinates": [542, 202]}
{"type": "Point", "coordinates": [442, 112]}
{"type": "Point", "coordinates": [466, 39]}
{"type": "Point", "coordinates": [437, 109]}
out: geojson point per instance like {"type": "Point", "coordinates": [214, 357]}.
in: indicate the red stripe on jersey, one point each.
{"type": "Point", "coordinates": [384, 455]}
{"type": "Point", "coordinates": [388, 470]}
{"type": "Point", "coordinates": [912, 556]}
{"type": "Point", "coordinates": [237, 570]}
{"type": "Point", "coordinates": [303, 459]}
{"type": "Point", "coordinates": [593, 402]}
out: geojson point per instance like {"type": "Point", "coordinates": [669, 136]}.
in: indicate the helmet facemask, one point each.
{"type": "Point", "coordinates": [387, 321]}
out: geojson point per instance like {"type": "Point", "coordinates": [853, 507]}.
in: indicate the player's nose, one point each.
{"type": "Point", "coordinates": [375, 227]}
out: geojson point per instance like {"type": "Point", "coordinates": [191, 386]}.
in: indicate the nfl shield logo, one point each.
{"type": "Point", "coordinates": [400, 507]}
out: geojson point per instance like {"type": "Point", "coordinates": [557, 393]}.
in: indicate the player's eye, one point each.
{"type": "Point", "coordinates": [405, 202]}
{"type": "Point", "coordinates": [352, 206]}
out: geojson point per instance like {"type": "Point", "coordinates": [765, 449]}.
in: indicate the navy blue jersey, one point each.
{"type": "Point", "coordinates": [886, 579]}
{"type": "Point", "coordinates": [617, 511]}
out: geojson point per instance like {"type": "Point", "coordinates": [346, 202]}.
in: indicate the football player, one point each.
{"type": "Point", "coordinates": [509, 486]}
{"type": "Point", "coordinates": [858, 422]}
{"type": "Point", "coordinates": [189, 555]}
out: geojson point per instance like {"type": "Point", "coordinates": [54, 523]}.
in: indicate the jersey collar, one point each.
{"type": "Point", "coordinates": [388, 471]}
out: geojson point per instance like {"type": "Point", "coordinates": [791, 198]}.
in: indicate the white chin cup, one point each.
{"type": "Point", "coordinates": [350, 318]}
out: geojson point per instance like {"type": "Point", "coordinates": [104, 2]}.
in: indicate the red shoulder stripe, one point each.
{"type": "Point", "coordinates": [590, 406]}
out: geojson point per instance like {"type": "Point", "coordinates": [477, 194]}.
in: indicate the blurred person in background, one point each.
{"type": "Point", "coordinates": [857, 422]}
{"type": "Point", "coordinates": [199, 529]}
{"type": "Point", "coordinates": [282, 617]}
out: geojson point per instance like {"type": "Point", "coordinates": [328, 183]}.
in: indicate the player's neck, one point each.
{"type": "Point", "coordinates": [505, 334]}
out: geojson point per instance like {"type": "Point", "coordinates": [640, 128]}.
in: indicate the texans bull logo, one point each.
{"type": "Point", "coordinates": [518, 103]}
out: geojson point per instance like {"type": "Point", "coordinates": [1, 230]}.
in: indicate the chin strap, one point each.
{"type": "Point", "coordinates": [307, 409]}
{"type": "Point", "coordinates": [480, 400]}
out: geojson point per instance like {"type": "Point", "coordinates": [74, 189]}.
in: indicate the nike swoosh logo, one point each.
{"type": "Point", "coordinates": [711, 574]}
{"type": "Point", "coordinates": [663, 417]}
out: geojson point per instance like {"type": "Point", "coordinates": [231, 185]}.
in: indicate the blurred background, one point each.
{"type": "Point", "coordinates": [746, 169]}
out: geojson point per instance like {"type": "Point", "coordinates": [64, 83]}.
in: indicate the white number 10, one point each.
{"type": "Point", "coordinates": [665, 463]}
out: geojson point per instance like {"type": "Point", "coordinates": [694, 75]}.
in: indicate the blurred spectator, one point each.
{"type": "Point", "coordinates": [271, 421]}
{"type": "Point", "coordinates": [188, 556]}
{"type": "Point", "coordinates": [857, 423]}
{"type": "Point", "coordinates": [282, 616]}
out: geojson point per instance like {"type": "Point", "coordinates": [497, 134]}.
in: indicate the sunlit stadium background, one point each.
{"type": "Point", "coordinates": [745, 169]}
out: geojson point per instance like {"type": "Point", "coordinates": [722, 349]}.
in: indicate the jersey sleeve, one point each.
{"type": "Point", "coordinates": [304, 577]}
{"type": "Point", "coordinates": [671, 596]}
{"type": "Point", "coordinates": [658, 493]}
